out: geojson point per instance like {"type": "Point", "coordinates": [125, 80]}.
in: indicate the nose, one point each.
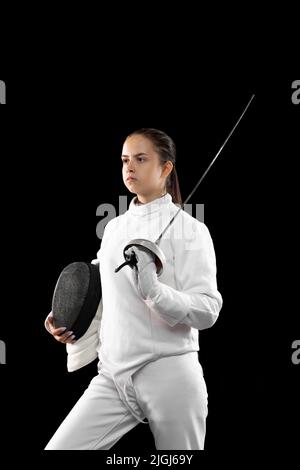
{"type": "Point", "coordinates": [130, 166]}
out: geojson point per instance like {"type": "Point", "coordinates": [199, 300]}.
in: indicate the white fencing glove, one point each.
{"type": "Point", "coordinates": [144, 272]}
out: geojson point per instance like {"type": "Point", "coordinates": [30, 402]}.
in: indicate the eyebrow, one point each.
{"type": "Point", "coordinates": [135, 156]}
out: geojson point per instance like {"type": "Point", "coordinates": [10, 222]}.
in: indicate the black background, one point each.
{"type": "Point", "coordinates": [61, 138]}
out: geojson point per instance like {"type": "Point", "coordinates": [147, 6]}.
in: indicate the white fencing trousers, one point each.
{"type": "Point", "coordinates": [171, 392]}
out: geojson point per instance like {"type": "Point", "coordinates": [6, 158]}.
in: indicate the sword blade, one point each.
{"type": "Point", "coordinates": [207, 169]}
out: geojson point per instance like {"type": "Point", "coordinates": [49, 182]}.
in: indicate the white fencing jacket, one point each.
{"type": "Point", "coordinates": [127, 331]}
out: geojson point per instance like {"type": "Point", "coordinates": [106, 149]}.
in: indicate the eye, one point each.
{"type": "Point", "coordinates": [140, 159]}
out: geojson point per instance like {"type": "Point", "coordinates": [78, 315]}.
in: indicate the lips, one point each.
{"type": "Point", "coordinates": [130, 178]}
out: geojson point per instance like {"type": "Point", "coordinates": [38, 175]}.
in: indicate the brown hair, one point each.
{"type": "Point", "coordinates": [166, 150]}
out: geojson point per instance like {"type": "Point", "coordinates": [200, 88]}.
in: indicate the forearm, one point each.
{"type": "Point", "coordinates": [199, 311]}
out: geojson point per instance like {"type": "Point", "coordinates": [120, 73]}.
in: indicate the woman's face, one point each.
{"type": "Point", "coordinates": [142, 165]}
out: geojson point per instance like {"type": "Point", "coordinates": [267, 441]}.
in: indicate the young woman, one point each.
{"type": "Point", "coordinates": [145, 332]}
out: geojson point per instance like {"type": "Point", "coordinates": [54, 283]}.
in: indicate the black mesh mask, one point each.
{"type": "Point", "coordinates": [76, 297]}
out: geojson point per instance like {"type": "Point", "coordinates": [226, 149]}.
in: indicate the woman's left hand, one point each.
{"type": "Point", "coordinates": [144, 272]}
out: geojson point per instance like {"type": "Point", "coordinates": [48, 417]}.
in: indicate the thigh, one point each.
{"type": "Point", "coordinates": [171, 383]}
{"type": "Point", "coordinates": [173, 395]}
{"type": "Point", "coordinates": [97, 421]}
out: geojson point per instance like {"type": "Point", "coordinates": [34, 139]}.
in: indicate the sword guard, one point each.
{"type": "Point", "coordinates": [153, 248]}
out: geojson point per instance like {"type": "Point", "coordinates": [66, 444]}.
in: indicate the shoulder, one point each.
{"type": "Point", "coordinates": [113, 223]}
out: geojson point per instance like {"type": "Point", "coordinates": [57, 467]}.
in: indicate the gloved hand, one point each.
{"type": "Point", "coordinates": [144, 273]}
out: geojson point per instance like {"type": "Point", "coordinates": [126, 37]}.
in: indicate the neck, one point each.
{"type": "Point", "coordinates": [144, 199]}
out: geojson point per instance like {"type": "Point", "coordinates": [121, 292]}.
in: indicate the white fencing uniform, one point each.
{"type": "Point", "coordinates": [148, 362]}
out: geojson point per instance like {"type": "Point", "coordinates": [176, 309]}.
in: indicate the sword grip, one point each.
{"type": "Point", "coordinates": [130, 261]}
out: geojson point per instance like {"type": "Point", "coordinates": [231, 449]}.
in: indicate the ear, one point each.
{"type": "Point", "coordinates": [168, 167]}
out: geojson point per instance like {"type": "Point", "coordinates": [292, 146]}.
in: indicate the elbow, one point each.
{"type": "Point", "coordinates": [207, 320]}
{"type": "Point", "coordinates": [212, 318]}
{"type": "Point", "coordinates": [215, 310]}
{"type": "Point", "coordinates": [204, 311]}
{"type": "Point", "coordinates": [212, 313]}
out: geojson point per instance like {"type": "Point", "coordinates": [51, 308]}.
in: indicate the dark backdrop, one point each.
{"type": "Point", "coordinates": [61, 160]}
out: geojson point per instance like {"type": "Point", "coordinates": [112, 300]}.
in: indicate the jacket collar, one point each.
{"type": "Point", "coordinates": [149, 207]}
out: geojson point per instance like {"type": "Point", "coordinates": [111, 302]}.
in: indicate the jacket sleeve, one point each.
{"type": "Point", "coordinates": [85, 349]}
{"type": "Point", "coordinates": [196, 301]}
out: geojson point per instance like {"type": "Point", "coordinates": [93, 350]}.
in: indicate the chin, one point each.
{"type": "Point", "coordinates": [130, 190]}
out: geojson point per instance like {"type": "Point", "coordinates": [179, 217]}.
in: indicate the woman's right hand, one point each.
{"type": "Point", "coordinates": [60, 334]}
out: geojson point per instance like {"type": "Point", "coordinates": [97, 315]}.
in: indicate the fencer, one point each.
{"type": "Point", "coordinates": [146, 330]}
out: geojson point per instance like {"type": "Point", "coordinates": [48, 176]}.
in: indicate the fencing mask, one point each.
{"type": "Point", "coordinates": [76, 297]}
